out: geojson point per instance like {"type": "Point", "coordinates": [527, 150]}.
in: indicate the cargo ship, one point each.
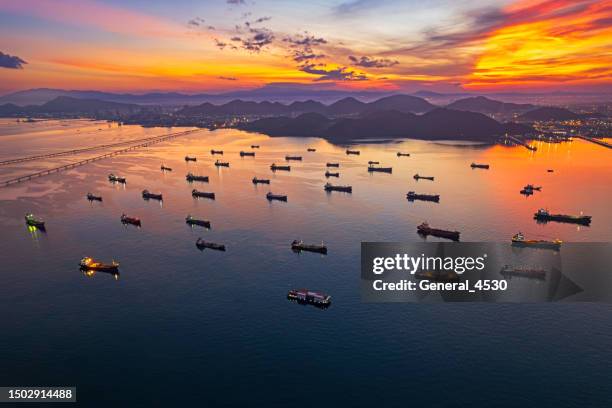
{"type": "Point", "coordinates": [400, 154]}
{"type": "Point", "coordinates": [278, 197]}
{"type": "Point", "coordinates": [299, 245]}
{"type": "Point", "coordinates": [357, 152]}
{"type": "Point", "coordinates": [221, 164]}
{"type": "Point", "coordinates": [260, 181]}
{"type": "Point", "coordinates": [31, 220]}
{"type": "Point", "coordinates": [202, 194]}
{"type": "Point", "coordinates": [147, 195]}
{"type": "Point", "coordinates": [243, 154]}
{"type": "Point", "coordinates": [192, 177]}
{"type": "Point", "coordinates": [418, 177]}
{"type": "Point", "coordinates": [424, 197]}
{"type": "Point", "coordinates": [194, 221]}
{"type": "Point", "coordinates": [130, 220]}
{"type": "Point", "coordinates": [92, 197]}
{"type": "Point", "coordinates": [543, 215]}
{"type": "Point", "coordinates": [189, 158]}
{"type": "Point", "coordinates": [479, 166]}
{"type": "Point", "coordinates": [329, 174]}
{"type": "Point", "coordinates": [164, 168]}
{"type": "Point", "coordinates": [380, 169]}
{"type": "Point", "coordinates": [425, 229]}
{"type": "Point", "coordinates": [201, 244]}
{"type": "Point", "coordinates": [332, 164]}
{"type": "Point", "coordinates": [213, 151]}
{"type": "Point", "coordinates": [344, 189]}
{"type": "Point", "coordinates": [527, 272]}
{"type": "Point", "coordinates": [519, 240]}
{"type": "Point", "coordinates": [90, 264]}
{"type": "Point", "coordinates": [116, 179]}
{"type": "Point", "coordinates": [275, 167]}
{"type": "Point", "coordinates": [288, 158]}
{"type": "Point", "coordinates": [306, 296]}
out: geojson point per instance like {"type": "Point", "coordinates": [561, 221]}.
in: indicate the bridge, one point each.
{"type": "Point", "coordinates": [148, 142]}
{"type": "Point", "coordinates": [596, 141]}
{"type": "Point", "coordinates": [521, 142]}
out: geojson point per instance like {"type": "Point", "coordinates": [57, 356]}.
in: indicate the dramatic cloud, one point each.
{"type": "Point", "coordinates": [301, 46]}
{"type": "Point", "coordinates": [253, 38]}
{"type": "Point", "coordinates": [335, 74]}
{"type": "Point", "coordinates": [10, 61]}
{"type": "Point", "coordinates": [368, 62]}
{"type": "Point", "coordinates": [196, 22]}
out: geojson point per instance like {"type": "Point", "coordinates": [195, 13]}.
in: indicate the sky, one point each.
{"type": "Point", "coordinates": [220, 45]}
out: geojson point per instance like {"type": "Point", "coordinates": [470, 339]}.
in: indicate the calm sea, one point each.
{"type": "Point", "coordinates": [183, 326]}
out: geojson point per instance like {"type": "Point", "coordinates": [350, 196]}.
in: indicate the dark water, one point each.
{"type": "Point", "coordinates": [185, 327]}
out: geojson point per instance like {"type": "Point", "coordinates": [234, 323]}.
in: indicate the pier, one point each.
{"type": "Point", "coordinates": [148, 142]}
{"type": "Point", "coordinates": [521, 142]}
{"type": "Point", "coordinates": [596, 141]}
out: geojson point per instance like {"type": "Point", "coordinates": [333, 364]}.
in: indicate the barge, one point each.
{"type": "Point", "coordinates": [221, 164]}
{"type": "Point", "coordinates": [344, 189]}
{"type": "Point", "coordinates": [130, 220]}
{"type": "Point", "coordinates": [371, 162]}
{"type": "Point", "coordinates": [543, 215]}
{"type": "Point", "coordinates": [190, 177]}
{"type": "Point", "coordinates": [411, 195]}
{"type": "Point", "coordinates": [202, 194]}
{"type": "Point", "coordinates": [425, 229]}
{"type": "Point", "coordinates": [213, 151]}
{"type": "Point", "coordinates": [306, 296]}
{"type": "Point", "coordinates": [260, 181]}
{"type": "Point", "coordinates": [380, 169]}
{"type": "Point", "coordinates": [278, 197]}
{"type": "Point", "coordinates": [254, 146]}
{"type": "Point", "coordinates": [400, 154]}
{"type": "Point", "coordinates": [250, 154]}
{"type": "Point", "coordinates": [164, 168]}
{"type": "Point", "coordinates": [194, 221]}
{"type": "Point", "coordinates": [520, 241]}
{"type": "Point", "coordinates": [298, 158]}
{"type": "Point", "coordinates": [479, 166]}
{"type": "Point", "coordinates": [299, 245]}
{"type": "Point", "coordinates": [275, 167]}
{"type": "Point", "coordinates": [329, 174]}
{"type": "Point", "coordinates": [189, 158]}
{"type": "Point", "coordinates": [332, 164]}
{"type": "Point", "coordinates": [310, 149]}
{"type": "Point", "coordinates": [201, 244]}
{"type": "Point", "coordinates": [418, 177]}
{"type": "Point", "coordinates": [356, 152]}
{"type": "Point", "coordinates": [116, 179]}
{"type": "Point", "coordinates": [88, 263]}
{"type": "Point", "coordinates": [92, 197]}
{"type": "Point", "coordinates": [147, 195]}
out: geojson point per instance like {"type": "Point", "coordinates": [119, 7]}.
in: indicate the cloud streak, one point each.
{"type": "Point", "coordinates": [11, 61]}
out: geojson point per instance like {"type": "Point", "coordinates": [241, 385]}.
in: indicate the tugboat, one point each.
{"type": "Point", "coordinates": [189, 158]}
{"type": "Point", "coordinates": [424, 197]}
{"type": "Point", "coordinates": [221, 164]}
{"type": "Point", "coordinates": [254, 146]}
{"type": "Point", "coordinates": [151, 196]}
{"type": "Point", "coordinates": [519, 240]}
{"type": "Point", "coordinates": [31, 220]}
{"type": "Point", "coordinates": [332, 165]}
{"type": "Point", "coordinates": [479, 166]}
{"type": "Point", "coordinates": [299, 245]}
{"type": "Point", "coordinates": [260, 181]}
{"type": "Point", "coordinates": [193, 221]}
{"type": "Point", "coordinates": [400, 154]}
{"type": "Point", "coordinates": [130, 220]}
{"type": "Point", "coordinates": [116, 179]}
{"type": "Point", "coordinates": [543, 215]}
{"type": "Point", "coordinates": [357, 152]}
{"type": "Point", "coordinates": [536, 273]}
{"type": "Point", "coordinates": [164, 168]}
{"type": "Point", "coordinates": [92, 197]}
{"type": "Point", "coordinates": [310, 149]}
{"type": "Point", "coordinates": [344, 189]}
{"type": "Point", "coordinates": [243, 154]}
{"type": "Point", "coordinates": [306, 296]}
{"type": "Point", "coordinates": [90, 264]}
{"type": "Point", "coordinates": [293, 158]}
{"type": "Point", "coordinates": [373, 162]}
{"type": "Point", "coordinates": [277, 197]}
{"type": "Point", "coordinates": [425, 229]}
{"type": "Point", "coordinates": [417, 177]}
{"type": "Point", "coordinates": [190, 177]}
{"type": "Point", "coordinates": [329, 174]}
{"type": "Point", "coordinates": [213, 151]}
{"type": "Point", "coordinates": [201, 244]}
{"type": "Point", "coordinates": [380, 169]}
{"type": "Point", "coordinates": [202, 194]}
{"type": "Point", "coordinates": [275, 167]}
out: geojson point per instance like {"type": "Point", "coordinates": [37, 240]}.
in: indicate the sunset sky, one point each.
{"type": "Point", "coordinates": [220, 45]}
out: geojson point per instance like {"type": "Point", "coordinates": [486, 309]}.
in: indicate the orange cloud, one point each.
{"type": "Point", "coordinates": [568, 42]}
